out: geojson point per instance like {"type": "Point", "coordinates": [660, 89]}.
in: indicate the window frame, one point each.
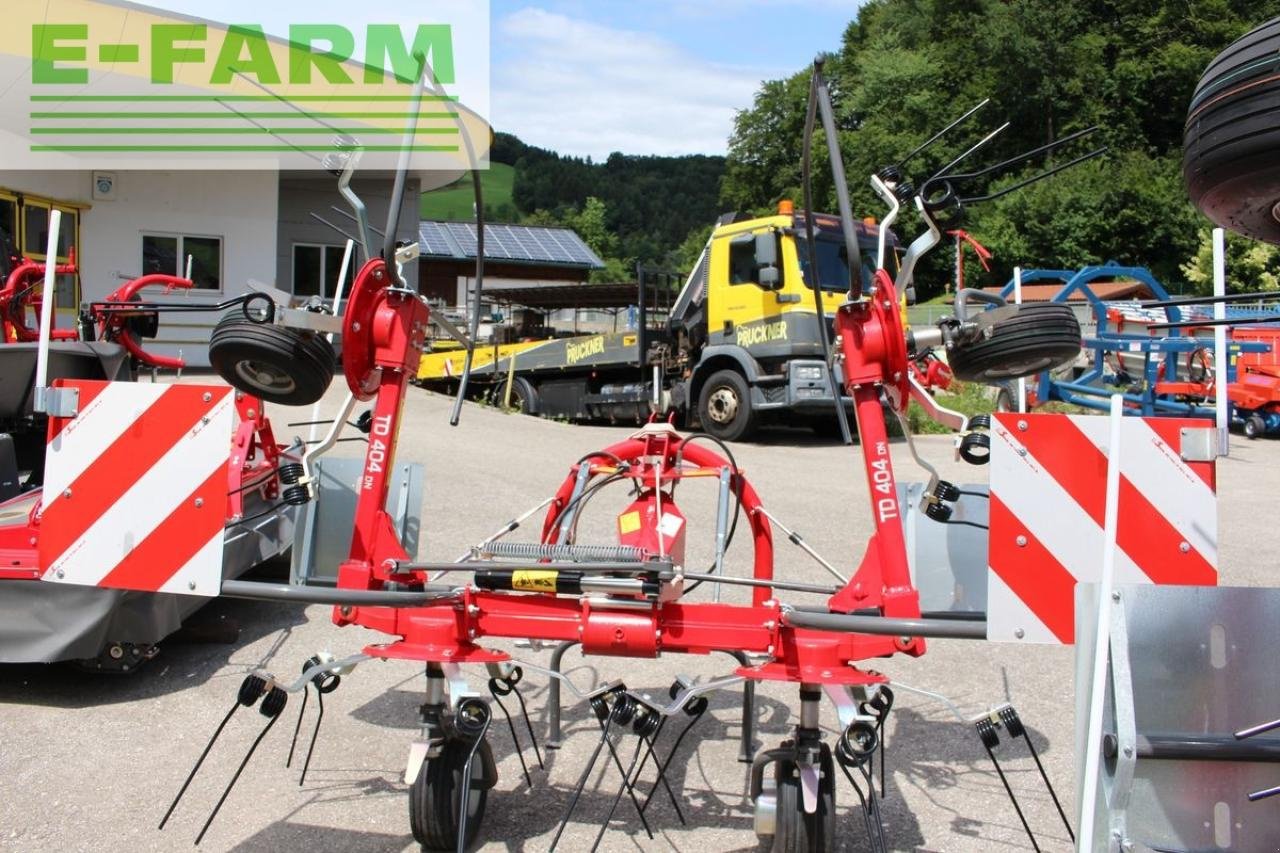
{"type": "Point", "coordinates": [324, 269]}
{"type": "Point", "coordinates": [181, 271]}
{"type": "Point", "coordinates": [21, 201]}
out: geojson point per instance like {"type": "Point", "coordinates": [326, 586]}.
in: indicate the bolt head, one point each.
{"type": "Point", "coordinates": [206, 396]}
{"type": "Point", "coordinates": [1022, 426]}
{"type": "Point", "coordinates": [355, 327]}
{"type": "Point", "coordinates": [61, 574]}
{"type": "Point", "coordinates": [191, 585]}
{"type": "Point", "coordinates": [253, 413]}
{"type": "Point", "coordinates": [66, 493]}
{"type": "Point", "coordinates": [1115, 596]}
{"type": "Point", "coordinates": [1022, 541]}
{"type": "Point", "coordinates": [199, 502]}
{"type": "Point", "coordinates": [1128, 752]}
{"type": "Point", "coordinates": [204, 421]}
{"type": "Point", "coordinates": [1184, 547]}
{"type": "Point", "coordinates": [1019, 633]}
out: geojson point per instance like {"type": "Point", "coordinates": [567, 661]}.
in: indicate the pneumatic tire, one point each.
{"type": "Point", "coordinates": [1040, 336]}
{"type": "Point", "coordinates": [435, 795]}
{"type": "Point", "coordinates": [290, 367]}
{"type": "Point", "coordinates": [724, 406]}
{"type": "Point", "coordinates": [1232, 134]}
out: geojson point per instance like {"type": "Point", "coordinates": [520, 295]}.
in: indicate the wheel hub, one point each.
{"type": "Point", "coordinates": [722, 405]}
{"type": "Point", "coordinates": [265, 377]}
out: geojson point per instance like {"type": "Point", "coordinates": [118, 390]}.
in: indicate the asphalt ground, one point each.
{"type": "Point", "coordinates": [92, 762]}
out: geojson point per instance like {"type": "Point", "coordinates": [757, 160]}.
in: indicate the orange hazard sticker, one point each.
{"type": "Point", "coordinates": [629, 522]}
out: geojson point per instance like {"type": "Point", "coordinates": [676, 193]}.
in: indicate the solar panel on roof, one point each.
{"type": "Point", "coordinates": [530, 244]}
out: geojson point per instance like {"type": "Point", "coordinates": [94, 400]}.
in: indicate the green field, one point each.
{"type": "Point", "coordinates": [456, 202]}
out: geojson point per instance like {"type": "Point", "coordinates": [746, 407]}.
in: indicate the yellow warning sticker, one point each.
{"type": "Point", "coordinates": [534, 580]}
{"type": "Point", "coordinates": [629, 522]}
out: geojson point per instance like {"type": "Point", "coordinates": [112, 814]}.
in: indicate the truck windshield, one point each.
{"type": "Point", "coordinates": [833, 263]}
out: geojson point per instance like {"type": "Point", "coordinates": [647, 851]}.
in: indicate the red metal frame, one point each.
{"type": "Point", "coordinates": [383, 339]}
{"type": "Point", "coordinates": [114, 325]}
{"type": "Point", "coordinates": [19, 293]}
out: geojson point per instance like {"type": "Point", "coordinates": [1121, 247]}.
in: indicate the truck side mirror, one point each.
{"type": "Point", "coordinates": [767, 274]}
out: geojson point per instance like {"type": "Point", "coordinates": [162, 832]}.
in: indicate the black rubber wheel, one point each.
{"type": "Point", "coordinates": [1039, 337]}
{"type": "Point", "coordinates": [524, 397]}
{"type": "Point", "coordinates": [435, 795]}
{"type": "Point", "coordinates": [1232, 133]}
{"type": "Point", "coordinates": [796, 831]}
{"type": "Point", "coordinates": [286, 366]}
{"type": "Point", "coordinates": [1254, 427]}
{"type": "Point", "coordinates": [724, 406]}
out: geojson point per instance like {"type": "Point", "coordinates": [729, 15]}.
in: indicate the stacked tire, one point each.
{"type": "Point", "coordinates": [1232, 137]}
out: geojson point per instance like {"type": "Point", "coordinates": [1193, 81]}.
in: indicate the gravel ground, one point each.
{"type": "Point", "coordinates": [91, 762]}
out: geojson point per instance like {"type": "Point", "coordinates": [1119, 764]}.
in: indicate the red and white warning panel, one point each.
{"type": "Point", "coordinates": [1048, 506]}
{"type": "Point", "coordinates": [135, 490]}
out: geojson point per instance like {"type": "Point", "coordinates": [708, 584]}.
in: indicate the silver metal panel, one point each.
{"type": "Point", "coordinates": [322, 539]}
{"type": "Point", "coordinates": [948, 561]}
{"type": "Point", "coordinates": [1201, 662]}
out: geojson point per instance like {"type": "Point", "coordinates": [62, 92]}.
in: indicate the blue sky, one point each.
{"type": "Point", "coordinates": [589, 77]}
{"type": "Point", "coordinates": [658, 77]}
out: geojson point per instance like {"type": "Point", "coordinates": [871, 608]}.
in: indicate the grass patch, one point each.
{"type": "Point", "coordinates": [968, 398]}
{"type": "Point", "coordinates": [456, 202]}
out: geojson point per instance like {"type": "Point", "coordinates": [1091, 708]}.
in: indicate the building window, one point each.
{"type": "Point", "coordinates": [25, 221]}
{"type": "Point", "coordinates": [166, 254]}
{"type": "Point", "coordinates": [316, 268]}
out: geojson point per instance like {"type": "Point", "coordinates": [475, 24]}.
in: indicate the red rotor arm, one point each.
{"type": "Point", "coordinates": [114, 325]}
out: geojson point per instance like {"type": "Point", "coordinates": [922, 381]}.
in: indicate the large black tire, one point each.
{"type": "Point", "coordinates": [1232, 134]}
{"type": "Point", "coordinates": [796, 831]}
{"type": "Point", "coordinates": [524, 397]}
{"type": "Point", "coordinates": [724, 406]}
{"type": "Point", "coordinates": [435, 795]}
{"type": "Point", "coordinates": [1254, 427]}
{"type": "Point", "coordinates": [286, 366]}
{"type": "Point", "coordinates": [1041, 336]}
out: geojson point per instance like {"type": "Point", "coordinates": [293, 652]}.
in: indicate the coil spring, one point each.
{"type": "Point", "coordinates": [948, 492]}
{"type": "Point", "coordinates": [580, 553]}
{"type": "Point", "coordinates": [1012, 722]}
{"type": "Point", "coordinates": [290, 473]}
{"type": "Point", "coordinates": [857, 744]}
{"type": "Point", "coordinates": [646, 723]}
{"type": "Point", "coordinates": [274, 704]}
{"type": "Point", "coordinates": [325, 682]}
{"type": "Point", "coordinates": [987, 732]}
{"type": "Point", "coordinates": [938, 512]}
{"type": "Point", "coordinates": [251, 690]}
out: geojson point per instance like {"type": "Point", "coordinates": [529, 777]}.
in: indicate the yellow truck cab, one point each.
{"type": "Point", "coordinates": [747, 321]}
{"type": "Point", "coordinates": [736, 347]}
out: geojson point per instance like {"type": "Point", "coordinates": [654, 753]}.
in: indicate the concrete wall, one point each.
{"type": "Point", "coordinates": [238, 207]}
{"type": "Point", "coordinates": [299, 197]}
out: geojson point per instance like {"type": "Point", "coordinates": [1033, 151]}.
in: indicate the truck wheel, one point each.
{"type": "Point", "coordinates": [524, 397]}
{"type": "Point", "coordinates": [1231, 136]}
{"type": "Point", "coordinates": [278, 365]}
{"type": "Point", "coordinates": [724, 406]}
{"type": "Point", "coordinates": [1039, 337]}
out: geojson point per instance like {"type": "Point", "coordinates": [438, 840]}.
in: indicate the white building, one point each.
{"type": "Point", "coordinates": [236, 226]}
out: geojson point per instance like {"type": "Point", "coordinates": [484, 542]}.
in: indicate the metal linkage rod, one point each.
{"type": "Point", "coordinates": [887, 626]}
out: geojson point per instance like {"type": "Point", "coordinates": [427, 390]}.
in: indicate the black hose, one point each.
{"type": "Point", "coordinates": [888, 626]}
{"type": "Point", "coordinates": [260, 591]}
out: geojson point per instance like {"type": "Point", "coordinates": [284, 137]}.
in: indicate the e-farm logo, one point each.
{"type": "Point", "coordinates": [143, 82]}
{"type": "Point", "coordinates": [59, 52]}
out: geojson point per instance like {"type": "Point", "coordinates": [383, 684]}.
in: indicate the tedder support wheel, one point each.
{"type": "Point", "coordinates": [724, 406]}
{"type": "Point", "coordinates": [796, 831]}
{"type": "Point", "coordinates": [1038, 337]}
{"type": "Point", "coordinates": [290, 367]}
{"type": "Point", "coordinates": [1231, 136]}
{"type": "Point", "coordinates": [435, 795]}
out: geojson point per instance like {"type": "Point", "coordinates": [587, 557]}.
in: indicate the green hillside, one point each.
{"type": "Point", "coordinates": [457, 200]}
